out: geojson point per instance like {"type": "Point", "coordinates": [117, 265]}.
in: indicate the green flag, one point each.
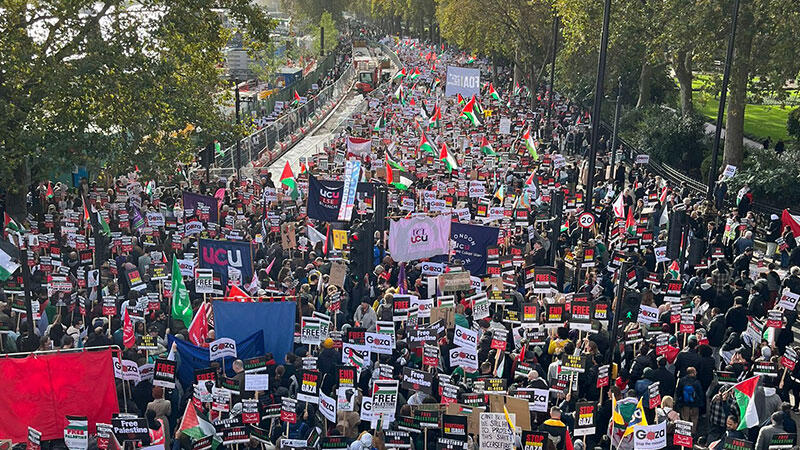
{"type": "Point", "coordinates": [181, 306]}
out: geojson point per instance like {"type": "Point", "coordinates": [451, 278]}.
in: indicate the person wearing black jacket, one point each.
{"type": "Point", "coordinates": [736, 317]}
{"type": "Point", "coordinates": [687, 358]}
{"type": "Point", "coordinates": [665, 378]}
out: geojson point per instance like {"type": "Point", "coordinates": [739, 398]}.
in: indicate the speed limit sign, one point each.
{"type": "Point", "coordinates": [586, 220]}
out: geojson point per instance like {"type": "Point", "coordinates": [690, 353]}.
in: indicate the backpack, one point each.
{"type": "Point", "coordinates": [688, 394]}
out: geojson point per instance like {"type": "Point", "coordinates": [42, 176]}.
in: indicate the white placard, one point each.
{"type": "Point", "coordinates": [222, 348]}
{"type": "Point", "coordinates": [256, 382]}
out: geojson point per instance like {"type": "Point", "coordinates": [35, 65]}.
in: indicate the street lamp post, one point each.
{"type": "Point", "coordinates": [598, 100]}
{"type": "Point", "coordinates": [616, 124]}
{"type": "Point", "coordinates": [712, 171]}
{"type": "Point", "coordinates": [237, 160]}
{"type": "Point", "coordinates": [548, 125]}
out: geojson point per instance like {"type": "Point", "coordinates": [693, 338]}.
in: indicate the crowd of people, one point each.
{"type": "Point", "coordinates": [657, 309]}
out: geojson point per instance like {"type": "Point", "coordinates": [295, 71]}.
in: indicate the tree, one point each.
{"type": "Point", "coordinates": [326, 24]}
{"type": "Point", "coordinates": [765, 57]}
{"type": "Point", "coordinates": [519, 30]}
{"type": "Point", "coordinates": [110, 84]}
{"type": "Point", "coordinates": [312, 9]}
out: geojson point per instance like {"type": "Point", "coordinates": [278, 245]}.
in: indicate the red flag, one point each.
{"type": "Point", "coordinates": [237, 295]}
{"type": "Point", "coordinates": [198, 329]}
{"type": "Point", "coordinates": [128, 337]}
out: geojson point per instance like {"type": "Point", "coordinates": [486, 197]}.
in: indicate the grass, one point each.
{"type": "Point", "coordinates": [760, 121]}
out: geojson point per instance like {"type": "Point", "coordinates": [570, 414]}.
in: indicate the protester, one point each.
{"type": "Point", "coordinates": [412, 271]}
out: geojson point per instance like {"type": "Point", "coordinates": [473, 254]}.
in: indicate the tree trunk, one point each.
{"type": "Point", "coordinates": [644, 85]}
{"type": "Point", "coordinates": [16, 204]}
{"type": "Point", "coordinates": [740, 75]}
{"type": "Point", "coordinates": [682, 64]}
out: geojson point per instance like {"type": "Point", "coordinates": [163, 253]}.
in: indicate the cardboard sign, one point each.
{"type": "Point", "coordinates": [494, 431]}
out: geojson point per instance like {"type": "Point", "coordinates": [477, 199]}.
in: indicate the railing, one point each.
{"type": "Point", "coordinates": [276, 137]}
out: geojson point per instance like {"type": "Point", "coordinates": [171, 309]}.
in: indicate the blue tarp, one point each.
{"type": "Point", "coordinates": [193, 357]}
{"type": "Point", "coordinates": [237, 320]}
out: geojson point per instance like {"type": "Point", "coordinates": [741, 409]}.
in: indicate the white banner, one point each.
{"type": "Point", "coordinates": [465, 337]}
{"type": "Point", "coordinates": [464, 357]}
{"type": "Point", "coordinates": [419, 237]}
{"type": "Point", "coordinates": [651, 437]}
{"type": "Point", "coordinates": [221, 348]}
{"type": "Point", "coordinates": [379, 343]}
{"type": "Point", "coordinates": [359, 146]}
{"type": "Point", "coordinates": [327, 406]}
{"type": "Point", "coordinates": [352, 172]}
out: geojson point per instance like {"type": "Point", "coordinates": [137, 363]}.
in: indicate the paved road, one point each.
{"type": "Point", "coordinates": [711, 129]}
{"type": "Point", "coordinates": [312, 144]}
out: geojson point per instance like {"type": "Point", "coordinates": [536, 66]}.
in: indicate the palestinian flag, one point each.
{"type": "Point", "coordinates": [434, 120]}
{"type": "Point", "coordinates": [400, 74]}
{"type": "Point", "coordinates": [674, 270]}
{"type": "Point", "coordinates": [448, 159]}
{"type": "Point", "coordinates": [10, 224]}
{"type": "Point", "coordinates": [460, 99]}
{"type": "Point", "coordinates": [354, 359]}
{"type": "Point", "coordinates": [197, 426]}
{"type": "Point", "coordinates": [470, 59]}
{"type": "Point", "coordinates": [486, 147]}
{"type": "Point", "coordinates": [8, 257]}
{"type": "Point", "coordinates": [478, 107]}
{"type": "Point", "coordinates": [380, 123]}
{"type": "Point", "coordinates": [49, 190]}
{"type": "Point", "coordinates": [470, 114]}
{"type": "Point", "coordinates": [303, 168]}
{"type": "Point", "coordinates": [288, 180]}
{"type": "Point", "coordinates": [425, 145]}
{"type": "Point", "coordinates": [565, 227]}
{"type": "Point", "coordinates": [630, 223]}
{"type": "Point", "coordinates": [744, 393]}
{"type": "Point", "coordinates": [400, 95]}
{"type": "Point", "coordinates": [619, 207]}
{"type": "Point", "coordinates": [415, 74]}
{"type": "Point", "coordinates": [396, 178]}
{"type": "Point", "coordinates": [517, 89]}
{"type": "Point", "coordinates": [86, 216]}
{"type": "Point", "coordinates": [392, 163]}
{"type": "Point", "coordinates": [530, 144]}
{"type": "Point", "coordinates": [296, 100]}
{"type": "Point", "coordinates": [493, 93]}
{"type": "Point", "coordinates": [435, 84]}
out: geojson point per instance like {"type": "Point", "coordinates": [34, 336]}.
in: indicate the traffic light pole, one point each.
{"type": "Point", "coordinates": [614, 316]}
{"type": "Point", "coordinates": [598, 101]}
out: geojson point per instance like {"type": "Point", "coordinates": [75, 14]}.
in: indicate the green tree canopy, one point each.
{"type": "Point", "coordinates": [110, 84]}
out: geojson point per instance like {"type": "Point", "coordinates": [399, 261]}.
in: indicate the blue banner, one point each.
{"type": "Point", "coordinates": [237, 320]}
{"type": "Point", "coordinates": [470, 243]}
{"type": "Point", "coordinates": [461, 80]}
{"type": "Point", "coordinates": [325, 197]}
{"type": "Point", "coordinates": [193, 357]}
{"type": "Point", "coordinates": [225, 257]}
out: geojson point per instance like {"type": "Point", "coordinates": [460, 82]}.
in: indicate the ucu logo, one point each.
{"type": "Point", "coordinates": [418, 235]}
{"type": "Point", "coordinates": [329, 194]}
{"type": "Point", "coordinates": [222, 257]}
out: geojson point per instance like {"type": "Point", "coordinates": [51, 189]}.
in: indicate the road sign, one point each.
{"type": "Point", "coordinates": [586, 220]}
